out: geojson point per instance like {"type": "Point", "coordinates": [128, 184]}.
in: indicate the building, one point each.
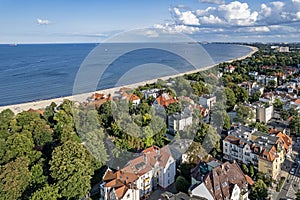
{"type": "Point", "coordinates": [154, 167]}
{"type": "Point", "coordinates": [264, 112]}
{"type": "Point", "coordinates": [266, 152]}
{"type": "Point", "coordinates": [283, 49]}
{"type": "Point", "coordinates": [164, 100]}
{"type": "Point", "coordinates": [229, 69]}
{"type": "Point", "coordinates": [223, 181]}
{"type": "Point", "coordinates": [179, 121]}
{"type": "Point", "coordinates": [207, 101]}
{"type": "Point", "coordinates": [152, 93]}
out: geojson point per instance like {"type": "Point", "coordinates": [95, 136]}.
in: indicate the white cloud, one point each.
{"type": "Point", "coordinates": [185, 17]}
{"type": "Point", "coordinates": [237, 19]}
{"type": "Point", "coordinates": [173, 28]}
{"type": "Point", "coordinates": [213, 1]}
{"type": "Point", "coordinates": [43, 21]}
{"type": "Point", "coordinates": [257, 29]}
{"type": "Point", "coordinates": [237, 13]}
{"type": "Point", "coordinates": [211, 19]}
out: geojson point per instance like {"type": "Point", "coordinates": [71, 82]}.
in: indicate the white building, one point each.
{"type": "Point", "coordinates": [264, 113]}
{"type": "Point", "coordinates": [207, 101]}
{"type": "Point", "coordinates": [179, 121]}
{"type": "Point", "coordinates": [154, 167]}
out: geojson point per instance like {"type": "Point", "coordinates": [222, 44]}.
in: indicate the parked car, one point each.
{"type": "Point", "coordinates": [292, 171]}
{"type": "Point", "coordinates": [295, 165]}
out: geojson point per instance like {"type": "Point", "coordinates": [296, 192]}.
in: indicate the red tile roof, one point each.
{"type": "Point", "coordinates": [165, 100]}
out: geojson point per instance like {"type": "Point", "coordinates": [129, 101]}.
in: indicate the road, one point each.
{"type": "Point", "coordinates": [292, 183]}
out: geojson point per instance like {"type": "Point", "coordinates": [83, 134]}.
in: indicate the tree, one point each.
{"type": "Point", "coordinates": [278, 103]}
{"type": "Point", "coordinates": [148, 139]}
{"type": "Point", "coordinates": [42, 133]}
{"type": "Point", "coordinates": [48, 192]}
{"type": "Point", "coordinates": [182, 185]}
{"type": "Point", "coordinates": [272, 84]}
{"type": "Point", "coordinates": [231, 99]}
{"type": "Point", "coordinates": [244, 114]}
{"type": "Point", "coordinates": [49, 114]}
{"type": "Point", "coordinates": [295, 125]}
{"type": "Point", "coordinates": [260, 126]}
{"type": "Point", "coordinates": [245, 168]}
{"type": "Point", "coordinates": [298, 195]}
{"type": "Point", "coordinates": [227, 123]}
{"type": "Point", "coordinates": [251, 170]}
{"type": "Point", "coordinates": [255, 97]}
{"type": "Point", "coordinates": [259, 191]}
{"type": "Point", "coordinates": [18, 145]}
{"type": "Point", "coordinates": [71, 169]}
{"type": "Point", "coordinates": [5, 117]}
{"type": "Point", "coordinates": [14, 178]}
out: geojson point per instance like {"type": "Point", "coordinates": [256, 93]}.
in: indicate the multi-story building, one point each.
{"type": "Point", "coordinates": [179, 121]}
{"type": "Point", "coordinates": [266, 152]}
{"type": "Point", "coordinates": [207, 101]}
{"type": "Point", "coordinates": [154, 167]}
{"type": "Point", "coordinates": [264, 112]}
{"type": "Point", "coordinates": [224, 181]}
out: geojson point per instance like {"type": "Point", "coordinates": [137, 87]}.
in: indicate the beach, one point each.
{"type": "Point", "coordinates": [17, 108]}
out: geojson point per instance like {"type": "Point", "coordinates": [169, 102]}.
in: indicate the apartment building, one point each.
{"type": "Point", "coordinates": [266, 152]}
{"type": "Point", "coordinates": [140, 176]}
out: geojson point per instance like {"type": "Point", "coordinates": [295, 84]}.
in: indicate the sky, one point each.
{"type": "Point", "coordinates": [66, 21]}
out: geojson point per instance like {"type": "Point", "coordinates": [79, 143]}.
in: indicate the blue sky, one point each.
{"type": "Point", "coordinates": [48, 21]}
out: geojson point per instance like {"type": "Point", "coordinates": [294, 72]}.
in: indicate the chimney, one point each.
{"type": "Point", "coordinates": [145, 158]}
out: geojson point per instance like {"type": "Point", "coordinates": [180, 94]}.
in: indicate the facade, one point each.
{"type": "Point", "coordinates": [140, 176]}
{"type": "Point", "coordinates": [207, 101]}
{"type": "Point", "coordinates": [264, 113]}
{"type": "Point", "coordinates": [266, 152]}
{"type": "Point", "coordinates": [179, 121]}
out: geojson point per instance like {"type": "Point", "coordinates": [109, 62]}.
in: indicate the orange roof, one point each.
{"type": "Point", "coordinates": [130, 97]}
{"type": "Point", "coordinates": [249, 180]}
{"type": "Point", "coordinates": [41, 112]}
{"type": "Point", "coordinates": [287, 140]}
{"type": "Point", "coordinates": [98, 96]}
{"type": "Point", "coordinates": [297, 101]}
{"type": "Point", "coordinates": [121, 191]}
{"type": "Point", "coordinates": [109, 175]}
{"type": "Point", "coordinates": [165, 100]}
{"type": "Point", "coordinates": [273, 131]}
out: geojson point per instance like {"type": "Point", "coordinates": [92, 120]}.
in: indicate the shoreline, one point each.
{"type": "Point", "coordinates": [41, 104]}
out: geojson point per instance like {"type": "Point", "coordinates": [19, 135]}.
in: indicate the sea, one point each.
{"type": "Point", "coordinates": [32, 72]}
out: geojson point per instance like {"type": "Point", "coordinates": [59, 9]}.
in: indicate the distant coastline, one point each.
{"type": "Point", "coordinates": [17, 108]}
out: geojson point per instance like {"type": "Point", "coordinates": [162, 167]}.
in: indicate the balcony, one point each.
{"type": "Point", "coordinates": [147, 179]}
{"type": "Point", "coordinates": [146, 187]}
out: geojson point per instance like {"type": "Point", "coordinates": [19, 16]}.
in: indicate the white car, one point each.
{"type": "Point", "coordinates": [292, 171]}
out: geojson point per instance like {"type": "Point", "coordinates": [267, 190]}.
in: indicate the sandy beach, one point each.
{"type": "Point", "coordinates": [17, 108]}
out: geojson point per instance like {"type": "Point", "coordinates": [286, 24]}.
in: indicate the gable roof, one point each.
{"type": "Point", "coordinates": [165, 100]}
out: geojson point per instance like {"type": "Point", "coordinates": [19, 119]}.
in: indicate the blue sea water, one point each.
{"type": "Point", "coordinates": [30, 72]}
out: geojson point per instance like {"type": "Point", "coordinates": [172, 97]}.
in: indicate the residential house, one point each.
{"type": "Point", "coordinates": [179, 121]}
{"type": "Point", "coordinates": [207, 101]}
{"type": "Point", "coordinates": [229, 69]}
{"type": "Point", "coordinates": [152, 93]}
{"type": "Point", "coordinates": [224, 181]}
{"type": "Point", "coordinates": [164, 100]}
{"type": "Point", "coordinates": [248, 86]}
{"type": "Point", "coordinates": [137, 179]}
